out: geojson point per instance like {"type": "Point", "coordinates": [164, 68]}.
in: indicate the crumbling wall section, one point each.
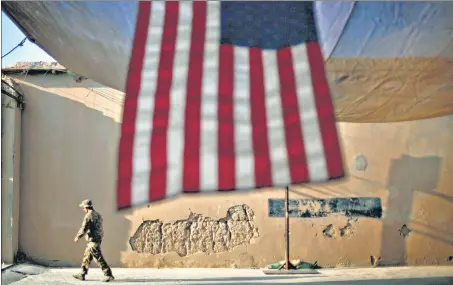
{"type": "Point", "coordinates": [197, 233]}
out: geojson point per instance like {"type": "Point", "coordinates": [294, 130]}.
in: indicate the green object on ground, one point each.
{"type": "Point", "coordinates": [274, 265]}
{"type": "Point", "coordinates": [302, 265]}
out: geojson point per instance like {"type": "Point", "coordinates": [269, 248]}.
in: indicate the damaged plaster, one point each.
{"type": "Point", "coordinates": [404, 231]}
{"type": "Point", "coordinates": [329, 231]}
{"type": "Point", "coordinates": [347, 230]}
{"type": "Point", "coordinates": [196, 234]}
{"type": "Point", "coordinates": [374, 260]}
{"type": "Point", "coordinates": [360, 163]}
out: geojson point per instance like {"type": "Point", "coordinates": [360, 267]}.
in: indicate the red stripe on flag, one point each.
{"type": "Point", "coordinates": [158, 149]}
{"type": "Point", "coordinates": [226, 151]}
{"type": "Point", "coordinates": [263, 173]}
{"type": "Point", "coordinates": [126, 145]}
{"type": "Point", "coordinates": [291, 117]}
{"type": "Point", "coordinates": [192, 122]}
{"type": "Point", "coordinates": [326, 115]}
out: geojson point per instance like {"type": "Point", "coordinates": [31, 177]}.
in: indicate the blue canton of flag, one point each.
{"type": "Point", "coordinates": [267, 25]}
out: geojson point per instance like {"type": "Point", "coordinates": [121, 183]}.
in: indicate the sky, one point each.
{"type": "Point", "coordinates": [11, 36]}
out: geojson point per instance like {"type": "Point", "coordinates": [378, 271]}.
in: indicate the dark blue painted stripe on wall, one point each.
{"type": "Point", "coordinates": [313, 208]}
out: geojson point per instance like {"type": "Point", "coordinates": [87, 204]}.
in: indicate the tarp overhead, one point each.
{"type": "Point", "coordinates": [388, 61]}
{"type": "Point", "coordinates": [394, 61]}
{"type": "Point", "coordinates": [398, 29]}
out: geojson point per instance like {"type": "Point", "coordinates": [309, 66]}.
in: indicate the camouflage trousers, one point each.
{"type": "Point", "coordinates": [93, 251]}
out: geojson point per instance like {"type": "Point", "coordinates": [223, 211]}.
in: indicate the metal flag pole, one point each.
{"type": "Point", "coordinates": [287, 227]}
{"type": "Point", "coordinates": [288, 265]}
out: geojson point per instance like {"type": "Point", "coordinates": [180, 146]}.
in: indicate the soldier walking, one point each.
{"type": "Point", "coordinates": [92, 229]}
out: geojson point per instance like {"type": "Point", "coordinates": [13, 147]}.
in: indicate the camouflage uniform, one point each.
{"type": "Point", "coordinates": [92, 230]}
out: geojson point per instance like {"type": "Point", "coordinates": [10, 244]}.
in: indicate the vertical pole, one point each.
{"type": "Point", "coordinates": [287, 227]}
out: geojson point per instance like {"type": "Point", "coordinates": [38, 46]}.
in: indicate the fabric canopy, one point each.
{"type": "Point", "coordinates": [386, 61]}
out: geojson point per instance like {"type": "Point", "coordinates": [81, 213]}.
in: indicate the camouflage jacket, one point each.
{"type": "Point", "coordinates": [92, 227]}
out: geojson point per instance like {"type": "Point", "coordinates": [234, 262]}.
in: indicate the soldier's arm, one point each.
{"type": "Point", "coordinates": [84, 228]}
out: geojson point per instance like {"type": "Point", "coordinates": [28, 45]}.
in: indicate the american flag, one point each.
{"type": "Point", "coordinates": [224, 96]}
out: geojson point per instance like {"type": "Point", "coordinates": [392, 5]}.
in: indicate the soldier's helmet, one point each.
{"type": "Point", "coordinates": [86, 204]}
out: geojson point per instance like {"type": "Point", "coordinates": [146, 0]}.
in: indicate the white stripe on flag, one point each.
{"type": "Point", "coordinates": [243, 146]}
{"type": "Point", "coordinates": [275, 126]}
{"type": "Point", "coordinates": [314, 148]}
{"type": "Point", "coordinates": [175, 140]}
{"type": "Point", "coordinates": [209, 128]}
{"type": "Point", "coordinates": [145, 107]}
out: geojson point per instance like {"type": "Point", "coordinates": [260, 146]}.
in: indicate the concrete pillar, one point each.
{"type": "Point", "coordinates": [11, 130]}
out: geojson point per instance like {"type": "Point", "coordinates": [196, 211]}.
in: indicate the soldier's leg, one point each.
{"type": "Point", "coordinates": [99, 259]}
{"type": "Point", "coordinates": [87, 258]}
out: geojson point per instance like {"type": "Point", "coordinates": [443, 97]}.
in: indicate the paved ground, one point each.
{"type": "Point", "coordinates": [13, 273]}
{"type": "Point", "coordinates": [5, 265]}
{"type": "Point", "coordinates": [369, 276]}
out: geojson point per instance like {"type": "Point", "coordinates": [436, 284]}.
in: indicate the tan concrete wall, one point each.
{"type": "Point", "coordinates": [70, 134]}
{"type": "Point", "coordinates": [11, 132]}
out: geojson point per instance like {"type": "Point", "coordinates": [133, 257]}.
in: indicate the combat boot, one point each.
{"type": "Point", "coordinates": [108, 278]}
{"type": "Point", "coordinates": [79, 276]}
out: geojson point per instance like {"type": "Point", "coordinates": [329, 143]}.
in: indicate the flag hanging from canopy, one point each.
{"type": "Point", "coordinates": [225, 96]}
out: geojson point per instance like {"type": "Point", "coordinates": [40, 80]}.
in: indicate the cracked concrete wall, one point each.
{"type": "Point", "coordinates": [69, 153]}
{"type": "Point", "coordinates": [196, 234]}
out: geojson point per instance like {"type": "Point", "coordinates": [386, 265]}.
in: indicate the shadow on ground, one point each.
{"type": "Point", "coordinates": [226, 280]}
{"type": "Point", "coordinates": [291, 280]}
{"type": "Point", "coordinates": [9, 277]}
